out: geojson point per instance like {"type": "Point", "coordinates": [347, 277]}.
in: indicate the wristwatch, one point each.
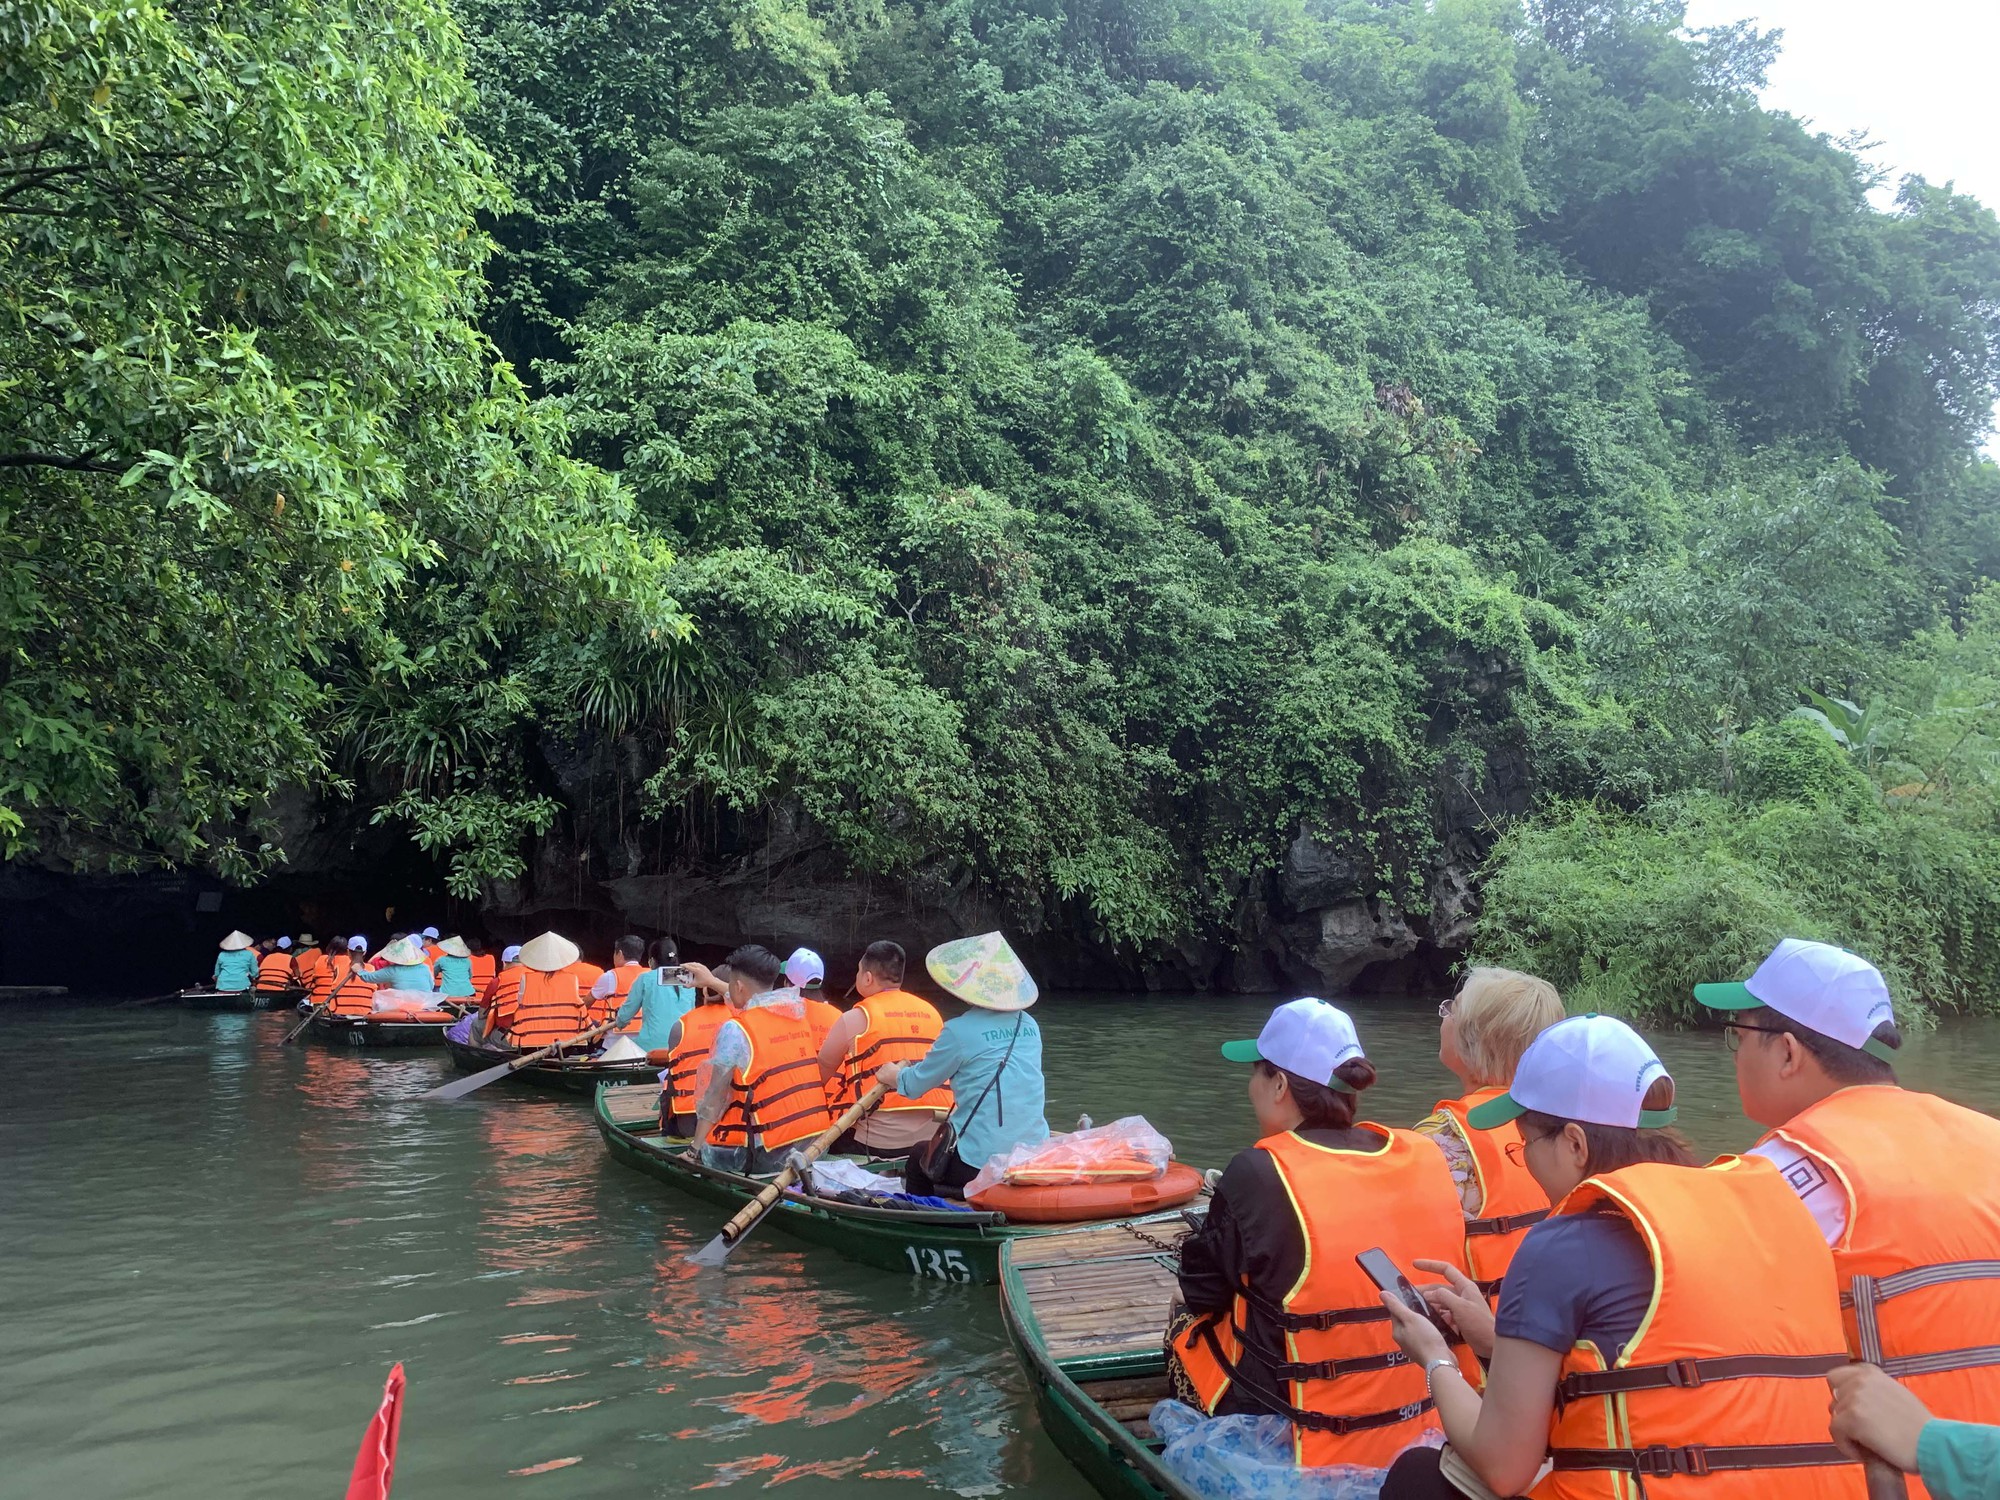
{"type": "Point", "coordinates": [1442, 1362]}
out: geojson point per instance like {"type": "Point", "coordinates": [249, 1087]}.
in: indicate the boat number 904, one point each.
{"type": "Point", "coordinates": [938, 1265]}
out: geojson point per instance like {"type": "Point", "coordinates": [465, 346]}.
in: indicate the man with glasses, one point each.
{"type": "Point", "coordinates": [1904, 1185]}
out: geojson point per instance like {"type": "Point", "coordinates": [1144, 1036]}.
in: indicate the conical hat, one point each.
{"type": "Point", "coordinates": [402, 951]}
{"type": "Point", "coordinates": [455, 946]}
{"type": "Point", "coordinates": [236, 942]}
{"type": "Point", "coordinates": [983, 971]}
{"type": "Point", "coordinates": [549, 952]}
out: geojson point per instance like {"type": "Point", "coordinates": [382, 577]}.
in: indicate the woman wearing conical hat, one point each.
{"type": "Point", "coordinates": [991, 1055]}
{"type": "Point", "coordinates": [547, 1004]}
{"type": "Point", "coordinates": [454, 969]}
{"type": "Point", "coordinates": [403, 968]}
{"type": "Point", "coordinates": [236, 964]}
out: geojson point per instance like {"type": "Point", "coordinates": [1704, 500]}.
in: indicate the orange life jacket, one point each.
{"type": "Point", "coordinates": [546, 1008]}
{"type": "Point", "coordinates": [336, 988]}
{"type": "Point", "coordinates": [899, 1028]}
{"type": "Point", "coordinates": [484, 967]}
{"type": "Point", "coordinates": [1511, 1202]}
{"type": "Point", "coordinates": [777, 1096]}
{"type": "Point", "coordinates": [684, 1060]}
{"type": "Point", "coordinates": [500, 992]}
{"type": "Point", "coordinates": [306, 964]}
{"type": "Point", "coordinates": [274, 972]}
{"type": "Point", "coordinates": [1919, 1262]}
{"type": "Point", "coordinates": [1352, 1395]}
{"type": "Point", "coordinates": [1720, 1395]}
{"type": "Point", "coordinates": [622, 978]}
{"type": "Point", "coordinates": [432, 953]}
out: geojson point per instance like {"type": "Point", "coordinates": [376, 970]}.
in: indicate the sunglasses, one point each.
{"type": "Point", "coordinates": [1445, 1005]}
{"type": "Point", "coordinates": [1732, 1033]}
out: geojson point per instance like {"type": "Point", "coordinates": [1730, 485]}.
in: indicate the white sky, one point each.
{"type": "Point", "coordinates": [1917, 75]}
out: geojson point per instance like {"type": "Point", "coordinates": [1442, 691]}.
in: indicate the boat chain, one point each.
{"type": "Point", "coordinates": [1172, 1248]}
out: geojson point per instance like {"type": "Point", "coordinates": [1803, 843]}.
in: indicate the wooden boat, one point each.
{"type": "Point", "coordinates": [941, 1244]}
{"type": "Point", "coordinates": [239, 999]}
{"type": "Point", "coordinates": [381, 1030]}
{"type": "Point", "coordinates": [575, 1074]}
{"type": "Point", "coordinates": [1087, 1315]}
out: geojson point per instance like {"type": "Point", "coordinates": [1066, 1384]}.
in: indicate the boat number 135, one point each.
{"type": "Point", "coordinates": [939, 1265]}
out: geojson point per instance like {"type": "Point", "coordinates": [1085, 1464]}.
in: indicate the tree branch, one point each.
{"type": "Point", "coordinates": [84, 463]}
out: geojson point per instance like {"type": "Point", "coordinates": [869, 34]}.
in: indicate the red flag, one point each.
{"type": "Point", "coordinates": [375, 1464]}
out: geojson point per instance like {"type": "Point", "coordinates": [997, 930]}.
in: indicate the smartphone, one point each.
{"type": "Point", "coordinates": [1383, 1272]}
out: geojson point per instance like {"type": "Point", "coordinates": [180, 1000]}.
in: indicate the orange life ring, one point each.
{"type": "Point", "coordinates": [1074, 1202]}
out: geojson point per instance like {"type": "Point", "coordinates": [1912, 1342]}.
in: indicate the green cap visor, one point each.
{"type": "Point", "coordinates": [1495, 1112]}
{"type": "Point", "coordinates": [1732, 996]}
{"type": "Point", "coordinates": [1499, 1111]}
{"type": "Point", "coordinates": [1246, 1052]}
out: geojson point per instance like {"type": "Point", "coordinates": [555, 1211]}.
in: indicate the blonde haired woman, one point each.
{"type": "Point", "coordinates": [1482, 1032]}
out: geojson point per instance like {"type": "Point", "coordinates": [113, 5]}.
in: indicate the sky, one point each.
{"type": "Point", "coordinates": [1915, 74]}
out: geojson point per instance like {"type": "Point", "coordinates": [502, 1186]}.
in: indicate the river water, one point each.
{"type": "Point", "coordinates": [215, 1247]}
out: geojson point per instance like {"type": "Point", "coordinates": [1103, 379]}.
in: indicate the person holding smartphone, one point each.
{"type": "Point", "coordinates": [1665, 1320]}
{"type": "Point", "coordinates": [658, 997]}
{"type": "Point", "coordinates": [1280, 1319]}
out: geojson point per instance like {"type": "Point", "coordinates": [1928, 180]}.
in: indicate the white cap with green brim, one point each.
{"type": "Point", "coordinates": [1307, 1037]}
{"type": "Point", "coordinates": [1823, 988]}
{"type": "Point", "coordinates": [1592, 1069]}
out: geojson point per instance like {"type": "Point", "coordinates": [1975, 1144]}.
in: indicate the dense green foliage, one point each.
{"type": "Point", "coordinates": [272, 509]}
{"type": "Point", "coordinates": [1096, 443]}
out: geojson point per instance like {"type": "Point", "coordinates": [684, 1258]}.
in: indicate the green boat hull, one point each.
{"type": "Point", "coordinates": [939, 1245]}
{"type": "Point", "coordinates": [238, 999]}
{"type": "Point", "coordinates": [568, 1076]}
{"type": "Point", "coordinates": [1105, 1452]}
{"type": "Point", "coordinates": [367, 1031]}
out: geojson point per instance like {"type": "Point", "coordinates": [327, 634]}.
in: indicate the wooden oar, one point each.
{"type": "Point", "coordinates": [157, 999]}
{"type": "Point", "coordinates": [716, 1251]}
{"type": "Point", "coordinates": [311, 1016]}
{"type": "Point", "coordinates": [459, 1088]}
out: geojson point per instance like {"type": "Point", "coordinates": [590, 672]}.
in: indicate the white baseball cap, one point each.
{"type": "Point", "coordinates": [1593, 1069]}
{"type": "Point", "coordinates": [430, 932]}
{"type": "Point", "coordinates": [1307, 1037]}
{"type": "Point", "coordinates": [805, 967]}
{"type": "Point", "coordinates": [284, 942]}
{"type": "Point", "coordinates": [509, 953]}
{"type": "Point", "coordinates": [1824, 988]}
{"type": "Point", "coordinates": [357, 944]}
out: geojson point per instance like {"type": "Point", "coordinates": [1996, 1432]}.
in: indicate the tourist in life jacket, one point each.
{"type": "Point", "coordinates": [1482, 1032]}
{"type": "Point", "coordinates": [453, 966]}
{"type": "Point", "coordinates": [887, 1024]}
{"type": "Point", "coordinates": [609, 989]}
{"type": "Point", "coordinates": [1665, 1326]}
{"type": "Point", "coordinates": [482, 964]}
{"type": "Point", "coordinates": [758, 1093]}
{"type": "Point", "coordinates": [337, 987]}
{"type": "Point", "coordinates": [274, 967]}
{"type": "Point", "coordinates": [1279, 1319]}
{"type": "Point", "coordinates": [236, 964]}
{"type": "Point", "coordinates": [498, 996]}
{"type": "Point", "coordinates": [429, 941]}
{"type": "Point", "coordinates": [658, 998]}
{"type": "Point", "coordinates": [992, 1064]}
{"type": "Point", "coordinates": [805, 971]}
{"type": "Point", "coordinates": [403, 968]}
{"type": "Point", "coordinates": [545, 1003]}
{"type": "Point", "coordinates": [307, 961]}
{"type": "Point", "coordinates": [688, 1046]}
{"type": "Point", "coordinates": [1873, 1414]}
{"type": "Point", "coordinates": [1904, 1186]}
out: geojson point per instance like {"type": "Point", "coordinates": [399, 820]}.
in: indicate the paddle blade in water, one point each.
{"type": "Point", "coordinates": [458, 1088]}
{"type": "Point", "coordinates": [714, 1253]}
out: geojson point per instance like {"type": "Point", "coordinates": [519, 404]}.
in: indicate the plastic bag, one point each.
{"type": "Point", "coordinates": [833, 1174]}
{"type": "Point", "coordinates": [461, 1029]}
{"type": "Point", "coordinates": [1127, 1150]}
{"type": "Point", "coordinates": [1250, 1458]}
{"type": "Point", "coordinates": [400, 1000]}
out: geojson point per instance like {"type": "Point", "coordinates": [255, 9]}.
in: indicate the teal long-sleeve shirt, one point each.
{"type": "Point", "coordinates": [401, 977]}
{"type": "Point", "coordinates": [454, 977]}
{"type": "Point", "coordinates": [967, 1053]}
{"type": "Point", "coordinates": [235, 969]}
{"type": "Point", "coordinates": [661, 1003]}
{"type": "Point", "coordinates": [1959, 1460]}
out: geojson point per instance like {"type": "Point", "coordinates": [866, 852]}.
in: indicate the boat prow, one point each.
{"type": "Point", "coordinates": [1087, 1316]}
{"type": "Point", "coordinates": [577, 1073]}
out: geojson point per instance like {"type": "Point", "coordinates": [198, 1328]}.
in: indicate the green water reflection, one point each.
{"type": "Point", "coordinates": [216, 1246]}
